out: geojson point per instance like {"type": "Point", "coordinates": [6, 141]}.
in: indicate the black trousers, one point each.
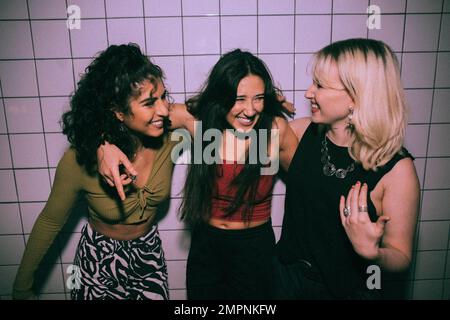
{"type": "Point", "coordinates": [231, 264]}
{"type": "Point", "coordinates": [301, 280]}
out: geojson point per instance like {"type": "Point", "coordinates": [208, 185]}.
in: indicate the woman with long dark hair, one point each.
{"type": "Point", "coordinates": [228, 202]}
{"type": "Point", "coordinates": [120, 98]}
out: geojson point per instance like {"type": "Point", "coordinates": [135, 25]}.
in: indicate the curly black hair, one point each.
{"type": "Point", "coordinates": [108, 84]}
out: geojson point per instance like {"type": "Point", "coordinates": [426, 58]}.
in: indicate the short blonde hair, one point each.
{"type": "Point", "coordinates": [370, 73]}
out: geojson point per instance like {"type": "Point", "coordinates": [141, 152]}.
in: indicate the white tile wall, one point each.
{"type": "Point", "coordinates": [14, 10]}
{"type": "Point", "coordinates": [47, 9]}
{"type": "Point", "coordinates": [433, 235]}
{"type": "Point", "coordinates": [421, 32]}
{"type": "Point", "coordinates": [167, 40]}
{"type": "Point", "coordinates": [350, 6]}
{"type": "Point", "coordinates": [419, 102]}
{"type": "Point", "coordinates": [28, 150]}
{"type": "Point", "coordinates": [52, 110]}
{"type": "Point", "coordinates": [282, 68]}
{"type": "Point", "coordinates": [173, 70]}
{"type": "Point", "coordinates": [7, 186]}
{"type": "Point", "coordinates": [55, 77]}
{"type": "Point", "coordinates": [10, 219]}
{"type": "Point", "coordinates": [33, 184]}
{"type": "Point", "coordinates": [441, 108]}
{"type": "Point", "coordinates": [196, 70]}
{"type": "Point", "coordinates": [238, 7]}
{"type": "Point", "coordinates": [185, 38]}
{"type": "Point", "coordinates": [57, 144]}
{"type": "Point", "coordinates": [438, 173]}
{"type": "Point", "coordinates": [307, 41]}
{"type": "Point", "coordinates": [11, 31]}
{"type": "Point", "coordinates": [239, 32]}
{"type": "Point", "coordinates": [443, 70]}
{"type": "Point", "coordinates": [178, 270]}
{"type": "Point", "coordinates": [444, 40]}
{"type": "Point", "coordinates": [430, 264]}
{"type": "Point", "coordinates": [119, 8]}
{"type": "Point", "coordinates": [276, 34]}
{"type": "Point", "coordinates": [200, 7]}
{"type": "Point", "coordinates": [276, 7]}
{"type": "Point", "coordinates": [418, 70]}
{"type": "Point", "coordinates": [89, 8]}
{"type": "Point", "coordinates": [419, 6]}
{"type": "Point", "coordinates": [51, 39]}
{"type": "Point", "coordinates": [349, 26]}
{"type": "Point", "coordinates": [11, 248]}
{"type": "Point", "coordinates": [23, 115]}
{"type": "Point", "coordinates": [89, 39]}
{"type": "Point", "coordinates": [2, 118]}
{"type": "Point", "coordinates": [390, 6]}
{"type": "Point", "coordinates": [416, 139]}
{"type": "Point", "coordinates": [435, 205]}
{"type": "Point", "coordinates": [201, 35]}
{"type": "Point", "coordinates": [126, 30]}
{"type": "Point", "coordinates": [18, 78]}
{"type": "Point", "coordinates": [391, 31]}
{"type": "Point", "coordinates": [439, 145]}
{"type": "Point", "coordinates": [29, 214]}
{"type": "Point", "coordinates": [5, 156]}
{"type": "Point", "coordinates": [8, 273]}
{"type": "Point", "coordinates": [427, 289]}
{"type": "Point", "coordinates": [313, 6]}
{"type": "Point", "coordinates": [162, 8]}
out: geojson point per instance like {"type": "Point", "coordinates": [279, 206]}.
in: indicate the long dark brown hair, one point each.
{"type": "Point", "coordinates": [211, 106]}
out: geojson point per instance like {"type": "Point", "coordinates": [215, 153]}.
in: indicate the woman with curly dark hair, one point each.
{"type": "Point", "coordinates": [121, 98]}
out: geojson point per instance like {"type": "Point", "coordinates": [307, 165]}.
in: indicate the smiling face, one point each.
{"type": "Point", "coordinates": [329, 99]}
{"type": "Point", "coordinates": [249, 103]}
{"type": "Point", "coordinates": [148, 109]}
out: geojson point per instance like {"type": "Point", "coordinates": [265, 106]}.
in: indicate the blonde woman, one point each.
{"type": "Point", "coordinates": [352, 189]}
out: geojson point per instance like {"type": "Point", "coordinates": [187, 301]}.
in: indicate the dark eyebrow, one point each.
{"type": "Point", "coordinates": [243, 95]}
{"type": "Point", "coordinates": [151, 98]}
{"type": "Point", "coordinates": [148, 99]}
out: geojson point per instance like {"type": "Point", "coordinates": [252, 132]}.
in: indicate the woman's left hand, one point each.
{"type": "Point", "coordinates": [364, 235]}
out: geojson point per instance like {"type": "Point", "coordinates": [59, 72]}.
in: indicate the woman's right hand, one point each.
{"type": "Point", "coordinates": [109, 158]}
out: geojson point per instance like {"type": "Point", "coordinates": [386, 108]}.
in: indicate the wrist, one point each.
{"type": "Point", "coordinates": [373, 254]}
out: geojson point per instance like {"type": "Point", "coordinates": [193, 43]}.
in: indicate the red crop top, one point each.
{"type": "Point", "coordinates": [224, 194]}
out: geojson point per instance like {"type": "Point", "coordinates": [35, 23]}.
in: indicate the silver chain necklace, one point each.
{"type": "Point", "coordinates": [329, 169]}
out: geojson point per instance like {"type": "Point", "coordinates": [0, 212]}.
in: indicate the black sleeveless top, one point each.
{"type": "Point", "coordinates": [312, 228]}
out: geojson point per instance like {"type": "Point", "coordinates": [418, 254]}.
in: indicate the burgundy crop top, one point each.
{"type": "Point", "coordinates": [225, 193]}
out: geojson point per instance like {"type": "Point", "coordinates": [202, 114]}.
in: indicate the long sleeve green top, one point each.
{"type": "Point", "coordinates": [103, 204]}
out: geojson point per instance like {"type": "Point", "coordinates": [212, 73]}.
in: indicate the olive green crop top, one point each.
{"type": "Point", "coordinates": [103, 204]}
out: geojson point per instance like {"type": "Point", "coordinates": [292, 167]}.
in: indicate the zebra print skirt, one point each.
{"type": "Point", "coordinates": [115, 269]}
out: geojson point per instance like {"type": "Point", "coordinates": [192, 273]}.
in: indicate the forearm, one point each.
{"type": "Point", "coordinates": [392, 259]}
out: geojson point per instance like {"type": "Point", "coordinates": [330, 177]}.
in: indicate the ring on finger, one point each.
{"type": "Point", "coordinates": [347, 211]}
{"type": "Point", "coordinates": [362, 209]}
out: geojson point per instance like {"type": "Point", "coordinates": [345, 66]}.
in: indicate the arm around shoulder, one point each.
{"type": "Point", "coordinates": [180, 117]}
